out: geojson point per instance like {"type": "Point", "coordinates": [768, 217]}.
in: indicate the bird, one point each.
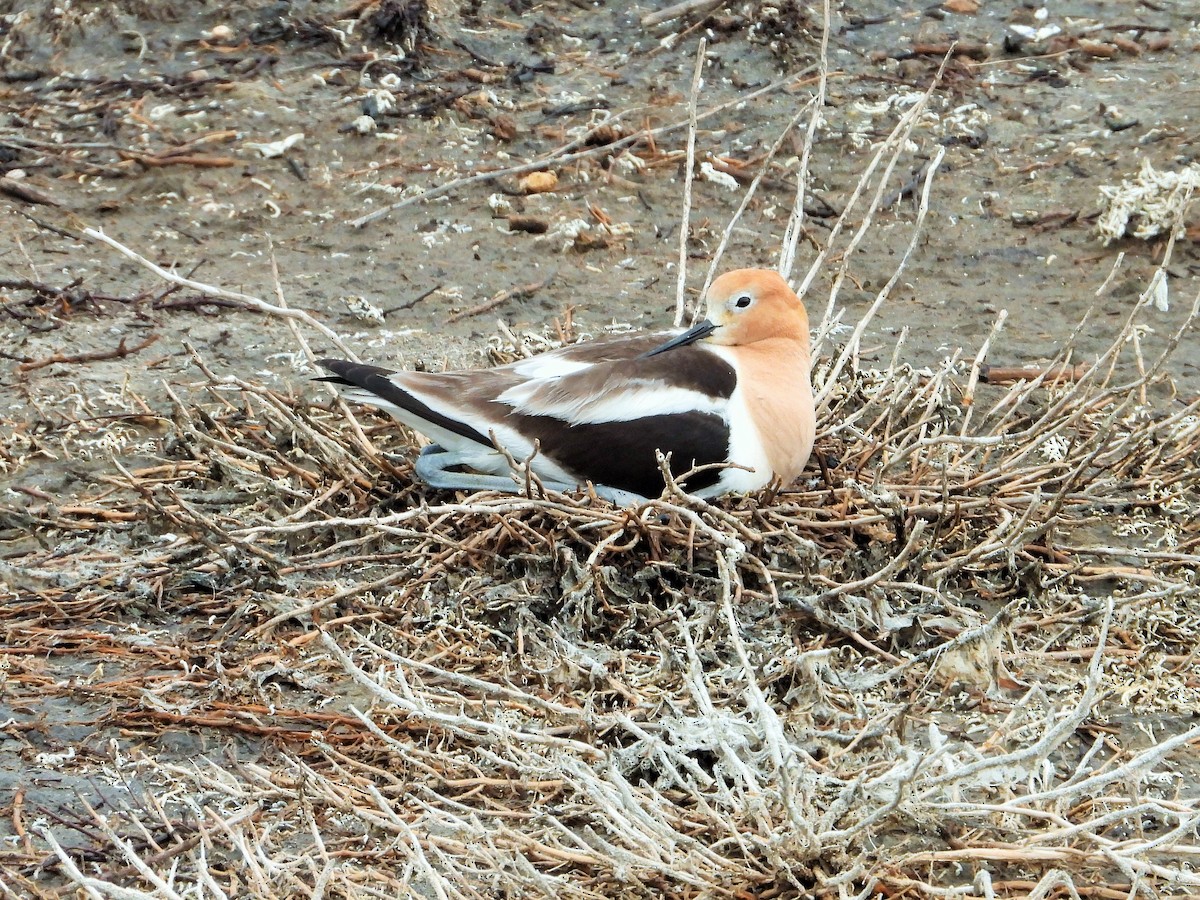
{"type": "Point", "coordinates": [729, 399]}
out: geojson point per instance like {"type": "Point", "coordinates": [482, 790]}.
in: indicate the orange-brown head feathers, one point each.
{"type": "Point", "coordinates": [751, 305]}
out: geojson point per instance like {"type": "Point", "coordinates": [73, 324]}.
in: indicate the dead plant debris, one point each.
{"type": "Point", "coordinates": [245, 655]}
{"type": "Point", "coordinates": [759, 694]}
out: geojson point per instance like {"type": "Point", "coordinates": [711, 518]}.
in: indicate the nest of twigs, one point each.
{"type": "Point", "coordinates": [910, 674]}
{"type": "Point", "coordinates": [910, 671]}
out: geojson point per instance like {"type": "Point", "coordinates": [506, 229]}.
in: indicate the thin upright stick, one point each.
{"type": "Point", "coordinates": [851, 347]}
{"type": "Point", "coordinates": [795, 225]}
{"type": "Point", "coordinates": [891, 147]}
{"type": "Point", "coordinates": [749, 195]}
{"type": "Point", "coordinates": [681, 282]}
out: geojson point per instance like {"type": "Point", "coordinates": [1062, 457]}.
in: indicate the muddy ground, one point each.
{"type": "Point", "coordinates": [170, 128]}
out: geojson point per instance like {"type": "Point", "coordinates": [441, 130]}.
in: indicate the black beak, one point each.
{"type": "Point", "coordinates": [697, 332]}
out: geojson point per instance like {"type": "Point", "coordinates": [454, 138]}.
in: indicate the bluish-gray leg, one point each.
{"type": "Point", "coordinates": [435, 466]}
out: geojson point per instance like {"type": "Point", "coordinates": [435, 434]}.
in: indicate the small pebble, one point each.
{"type": "Point", "coordinates": [378, 103]}
{"type": "Point", "coordinates": [1098, 48]}
{"type": "Point", "coordinates": [528, 224]}
{"type": "Point", "coordinates": [538, 182]}
{"type": "Point", "coordinates": [1129, 45]}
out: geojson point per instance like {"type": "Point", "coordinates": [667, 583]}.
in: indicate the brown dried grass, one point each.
{"type": "Point", "coordinates": [866, 684]}
{"type": "Point", "coordinates": [910, 674]}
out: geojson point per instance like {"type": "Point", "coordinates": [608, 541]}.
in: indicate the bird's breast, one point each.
{"type": "Point", "coordinates": [777, 391]}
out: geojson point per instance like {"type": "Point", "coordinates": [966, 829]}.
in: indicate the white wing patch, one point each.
{"type": "Point", "coordinates": [578, 357]}
{"type": "Point", "coordinates": [549, 365]}
{"type": "Point", "coordinates": [634, 399]}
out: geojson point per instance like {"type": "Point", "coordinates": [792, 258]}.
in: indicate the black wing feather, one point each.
{"type": "Point", "coordinates": [376, 379]}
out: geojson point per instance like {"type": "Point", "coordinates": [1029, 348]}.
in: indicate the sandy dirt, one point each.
{"type": "Point", "coordinates": [171, 129]}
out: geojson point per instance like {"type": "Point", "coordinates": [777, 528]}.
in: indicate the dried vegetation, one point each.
{"type": "Point", "coordinates": [911, 674]}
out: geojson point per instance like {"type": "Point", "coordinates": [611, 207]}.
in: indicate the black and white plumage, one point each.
{"type": "Point", "coordinates": [734, 389]}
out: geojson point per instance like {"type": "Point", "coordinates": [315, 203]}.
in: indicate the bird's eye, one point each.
{"type": "Point", "coordinates": [743, 301]}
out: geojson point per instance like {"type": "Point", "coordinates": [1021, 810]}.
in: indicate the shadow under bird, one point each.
{"type": "Point", "coordinates": [734, 389]}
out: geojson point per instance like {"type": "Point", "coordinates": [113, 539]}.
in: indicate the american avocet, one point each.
{"type": "Point", "coordinates": [733, 389]}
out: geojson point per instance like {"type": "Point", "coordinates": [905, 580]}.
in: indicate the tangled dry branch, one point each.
{"type": "Point", "coordinates": [865, 684]}
{"type": "Point", "coordinates": [911, 673]}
